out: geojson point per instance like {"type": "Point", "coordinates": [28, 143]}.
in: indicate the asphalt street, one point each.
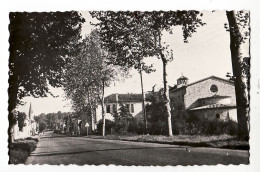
{"type": "Point", "coordinates": [55, 150]}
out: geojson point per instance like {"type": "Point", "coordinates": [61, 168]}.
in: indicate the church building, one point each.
{"type": "Point", "coordinates": [209, 98]}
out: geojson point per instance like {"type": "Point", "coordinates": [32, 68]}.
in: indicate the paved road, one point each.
{"type": "Point", "coordinates": [53, 149]}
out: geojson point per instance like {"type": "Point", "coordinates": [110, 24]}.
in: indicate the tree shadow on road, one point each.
{"type": "Point", "coordinates": [90, 151]}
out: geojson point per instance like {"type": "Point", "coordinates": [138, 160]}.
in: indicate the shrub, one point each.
{"type": "Point", "coordinates": [109, 125]}
{"type": "Point", "coordinates": [34, 139]}
{"type": "Point", "coordinates": [28, 145]}
{"type": "Point", "coordinates": [21, 149]}
{"type": "Point", "coordinates": [17, 156]}
{"type": "Point", "coordinates": [57, 131]}
{"type": "Point", "coordinates": [189, 124]}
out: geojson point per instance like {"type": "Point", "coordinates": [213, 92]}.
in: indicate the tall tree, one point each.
{"type": "Point", "coordinates": [119, 30]}
{"type": "Point", "coordinates": [88, 74]}
{"type": "Point", "coordinates": [240, 31]}
{"type": "Point", "coordinates": [127, 43]}
{"type": "Point", "coordinates": [39, 45]}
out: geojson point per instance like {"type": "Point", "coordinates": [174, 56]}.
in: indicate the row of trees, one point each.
{"type": "Point", "coordinates": [50, 120]}
{"type": "Point", "coordinates": [45, 49]}
{"type": "Point", "coordinates": [132, 36]}
{"type": "Point", "coordinates": [88, 74]}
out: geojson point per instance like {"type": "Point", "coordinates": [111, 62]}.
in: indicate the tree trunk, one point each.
{"type": "Point", "coordinates": [143, 104]}
{"type": "Point", "coordinates": [240, 77]}
{"type": "Point", "coordinates": [165, 87]}
{"type": "Point", "coordinates": [166, 97]}
{"type": "Point", "coordinates": [103, 110]}
{"type": "Point", "coordinates": [12, 103]}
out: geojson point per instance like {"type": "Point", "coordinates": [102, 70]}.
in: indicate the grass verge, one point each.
{"type": "Point", "coordinates": [220, 141]}
{"type": "Point", "coordinates": [20, 150]}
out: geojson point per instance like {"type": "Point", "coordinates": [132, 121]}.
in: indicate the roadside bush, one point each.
{"type": "Point", "coordinates": [28, 145]}
{"type": "Point", "coordinates": [109, 125]}
{"type": "Point", "coordinates": [136, 127]}
{"type": "Point", "coordinates": [21, 149]}
{"type": "Point", "coordinates": [57, 131]}
{"type": "Point", "coordinates": [34, 139]}
{"type": "Point", "coordinates": [18, 156]}
{"type": "Point", "coordinates": [189, 124]}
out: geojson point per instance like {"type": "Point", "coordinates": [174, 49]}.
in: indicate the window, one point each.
{"type": "Point", "coordinates": [132, 108]}
{"type": "Point", "coordinates": [114, 108]}
{"type": "Point", "coordinates": [218, 116]}
{"type": "Point", "coordinates": [214, 88]}
{"type": "Point", "coordinates": [128, 107]}
{"type": "Point", "coordinates": [108, 108]}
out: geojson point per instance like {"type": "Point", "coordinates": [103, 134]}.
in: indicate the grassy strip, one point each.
{"type": "Point", "coordinates": [221, 141]}
{"type": "Point", "coordinates": [21, 149]}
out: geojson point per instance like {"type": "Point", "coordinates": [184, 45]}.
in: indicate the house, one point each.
{"type": "Point", "coordinates": [113, 103]}
{"type": "Point", "coordinates": [78, 123]}
{"type": "Point", "coordinates": [30, 128]}
{"type": "Point", "coordinates": [209, 98]}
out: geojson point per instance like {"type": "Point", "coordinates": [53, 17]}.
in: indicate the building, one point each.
{"type": "Point", "coordinates": [30, 128]}
{"type": "Point", "coordinates": [114, 101]}
{"type": "Point", "coordinates": [209, 98]}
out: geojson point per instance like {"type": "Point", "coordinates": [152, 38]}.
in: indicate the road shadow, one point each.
{"type": "Point", "coordinates": [60, 145]}
{"type": "Point", "coordinates": [103, 150]}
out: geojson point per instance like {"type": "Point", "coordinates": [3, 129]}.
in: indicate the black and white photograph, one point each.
{"type": "Point", "coordinates": [129, 87]}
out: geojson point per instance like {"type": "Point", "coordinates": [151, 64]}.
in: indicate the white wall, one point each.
{"type": "Point", "coordinates": [138, 110]}
{"type": "Point", "coordinates": [26, 132]}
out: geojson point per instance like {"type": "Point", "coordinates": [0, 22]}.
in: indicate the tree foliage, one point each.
{"type": "Point", "coordinates": [42, 126]}
{"type": "Point", "coordinates": [88, 73]}
{"type": "Point", "coordinates": [124, 120]}
{"type": "Point", "coordinates": [39, 46]}
{"type": "Point", "coordinates": [139, 34]}
{"type": "Point", "coordinates": [21, 116]}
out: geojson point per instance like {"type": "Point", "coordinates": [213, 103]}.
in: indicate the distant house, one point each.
{"type": "Point", "coordinates": [79, 123]}
{"type": "Point", "coordinates": [210, 98]}
{"type": "Point", "coordinates": [114, 101]}
{"type": "Point", "coordinates": [30, 128]}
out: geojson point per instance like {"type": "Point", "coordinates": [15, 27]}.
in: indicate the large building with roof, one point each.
{"type": "Point", "coordinates": [209, 98]}
{"type": "Point", "coordinates": [113, 102]}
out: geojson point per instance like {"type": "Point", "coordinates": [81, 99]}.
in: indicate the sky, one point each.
{"type": "Point", "coordinates": [206, 54]}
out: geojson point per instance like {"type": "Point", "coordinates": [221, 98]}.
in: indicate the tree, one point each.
{"type": "Point", "coordinates": [42, 126]}
{"type": "Point", "coordinates": [21, 120]}
{"type": "Point", "coordinates": [131, 47]}
{"type": "Point", "coordinates": [124, 119]}
{"type": "Point", "coordinates": [119, 30]}
{"type": "Point", "coordinates": [238, 22]}
{"type": "Point", "coordinates": [39, 46]}
{"type": "Point", "coordinates": [88, 74]}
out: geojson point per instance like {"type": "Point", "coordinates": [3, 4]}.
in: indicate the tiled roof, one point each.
{"type": "Point", "coordinates": [182, 77]}
{"type": "Point", "coordinates": [124, 98]}
{"type": "Point", "coordinates": [214, 106]}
